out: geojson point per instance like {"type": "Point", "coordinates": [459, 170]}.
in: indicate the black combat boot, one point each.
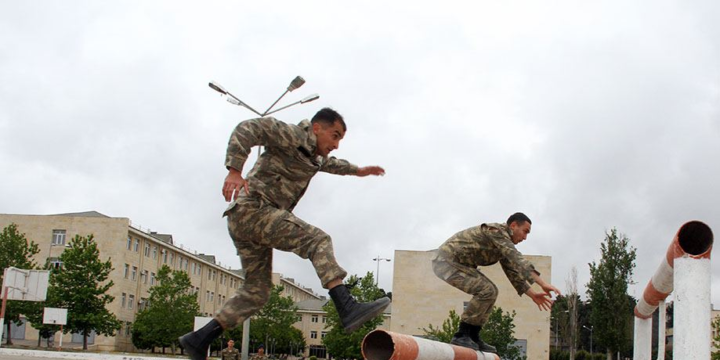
{"type": "Point", "coordinates": [463, 337]}
{"type": "Point", "coordinates": [197, 343]}
{"type": "Point", "coordinates": [482, 346]}
{"type": "Point", "coordinates": [352, 313]}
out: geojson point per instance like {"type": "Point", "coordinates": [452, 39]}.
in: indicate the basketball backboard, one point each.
{"type": "Point", "coordinates": [27, 285]}
{"type": "Point", "coordinates": [55, 316]}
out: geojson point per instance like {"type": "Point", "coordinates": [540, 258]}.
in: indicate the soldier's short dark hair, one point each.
{"type": "Point", "coordinates": [518, 217]}
{"type": "Point", "coordinates": [328, 116]}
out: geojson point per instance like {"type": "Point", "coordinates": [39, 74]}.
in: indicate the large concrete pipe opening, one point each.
{"type": "Point", "coordinates": [378, 345]}
{"type": "Point", "coordinates": [695, 238]}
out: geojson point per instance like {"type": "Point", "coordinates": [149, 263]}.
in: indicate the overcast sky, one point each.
{"type": "Point", "coordinates": [584, 115]}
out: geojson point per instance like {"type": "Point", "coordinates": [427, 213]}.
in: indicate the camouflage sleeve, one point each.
{"type": "Point", "coordinates": [517, 269]}
{"type": "Point", "coordinates": [266, 131]}
{"type": "Point", "coordinates": [336, 166]}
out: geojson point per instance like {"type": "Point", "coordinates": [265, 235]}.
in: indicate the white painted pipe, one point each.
{"type": "Point", "coordinates": [642, 349]}
{"type": "Point", "coordinates": [693, 239]}
{"type": "Point", "coordinates": [693, 242]}
{"type": "Point", "coordinates": [692, 331]}
{"type": "Point", "coordinates": [386, 345]}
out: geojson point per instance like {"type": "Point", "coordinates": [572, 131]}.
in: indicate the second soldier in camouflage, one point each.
{"type": "Point", "coordinates": [457, 261]}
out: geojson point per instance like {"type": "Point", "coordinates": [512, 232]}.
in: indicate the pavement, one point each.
{"type": "Point", "coordinates": [27, 354]}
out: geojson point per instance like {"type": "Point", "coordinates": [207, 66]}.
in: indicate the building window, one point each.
{"type": "Point", "coordinates": [128, 327]}
{"type": "Point", "coordinates": [322, 334]}
{"type": "Point", "coordinates": [212, 296]}
{"type": "Point", "coordinates": [133, 275]}
{"type": "Point", "coordinates": [209, 275]}
{"type": "Point", "coordinates": [314, 319]}
{"type": "Point", "coordinates": [137, 245]}
{"type": "Point", "coordinates": [152, 278]}
{"type": "Point", "coordinates": [127, 270]}
{"type": "Point", "coordinates": [324, 319]}
{"type": "Point", "coordinates": [131, 302]}
{"type": "Point", "coordinates": [129, 243]}
{"type": "Point", "coordinates": [123, 300]}
{"type": "Point", "coordinates": [172, 259]}
{"type": "Point", "coordinates": [207, 295]}
{"type": "Point", "coordinates": [164, 256]}
{"type": "Point", "coordinates": [55, 263]}
{"type": "Point", "coordinates": [298, 318]}
{"type": "Point", "coordinates": [144, 276]}
{"type": "Point", "coordinates": [58, 237]}
{"type": "Point", "coordinates": [313, 334]}
{"type": "Point", "coordinates": [143, 304]}
{"type": "Point", "coordinates": [147, 250]}
{"type": "Point", "coordinates": [154, 252]}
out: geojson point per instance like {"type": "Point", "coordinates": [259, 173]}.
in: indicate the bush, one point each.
{"type": "Point", "coordinates": [559, 355]}
{"type": "Point", "coordinates": [583, 355]}
{"type": "Point", "coordinates": [313, 357]}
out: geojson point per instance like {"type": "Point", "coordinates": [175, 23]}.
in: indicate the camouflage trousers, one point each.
{"type": "Point", "coordinates": [470, 280]}
{"type": "Point", "coordinates": [257, 228]}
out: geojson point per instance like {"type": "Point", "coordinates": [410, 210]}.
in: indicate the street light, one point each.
{"type": "Point", "coordinates": [377, 273]}
{"type": "Point", "coordinates": [591, 336]}
{"type": "Point", "coordinates": [297, 82]}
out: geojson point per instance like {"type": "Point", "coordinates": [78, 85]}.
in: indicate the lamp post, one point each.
{"type": "Point", "coordinates": [297, 82]}
{"type": "Point", "coordinates": [377, 273]}
{"type": "Point", "coordinates": [591, 336]}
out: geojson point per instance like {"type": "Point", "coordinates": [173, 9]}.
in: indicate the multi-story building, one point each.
{"type": "Point", "coordinates": [136, 256]}
{"type": "Point", "coordinates": [421, 299]}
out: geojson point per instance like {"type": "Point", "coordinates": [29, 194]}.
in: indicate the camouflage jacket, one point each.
{"type": "Point", "coordinates": [230, 354]}
{"type": "Point", "coordinates": [485, 245]}
{"type": "Point", "coordinates": [283, 172]}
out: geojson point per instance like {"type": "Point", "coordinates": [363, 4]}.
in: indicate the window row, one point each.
{"type": "Point", "coordinates": [314, 334]}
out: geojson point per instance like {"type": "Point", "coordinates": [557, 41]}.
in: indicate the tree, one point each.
{"type": "Point", "coordinates": [499, 332]}
{"type": "Point", "coordinates": [347, 346]}
{"type": "Point", "coordinates": [81, 286]}
{"type": "Point", "coordinates": [273, 323]}
{"type": "Point", "coordinates": [169, 313]}
{"type": "Point", "coordinates": [611, 313]}
{"type": "Point", "coordinates": [716, 338]}
{"type": "Point", "coordinates": [445, 332]}
{"type": "Point", "coordinates": [16, 252]}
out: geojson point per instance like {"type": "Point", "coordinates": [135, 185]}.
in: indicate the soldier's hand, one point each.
{"type": "Point", "coordinates": [234, 182]}
{"type": "Point", "coordinates": [370, 170]}
{"type": "Point", "coordinates": [542, 300]}
{"type": "Point", "coordinates": [548, 288]}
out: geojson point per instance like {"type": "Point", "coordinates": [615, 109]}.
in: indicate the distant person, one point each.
{"type": "Point", "coordinates": [260, 217]}
{"type": "Point", "coordinates": [457, 261]}
{"type": "Point", "coordinates": [260, 355]}
{"type": "Point", "coordinates": [230, 352]}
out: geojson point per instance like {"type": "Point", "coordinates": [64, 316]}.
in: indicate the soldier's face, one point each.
{"type": "Point", "coordinates": [328, 137]}
{"type": "Point", "coordinates": [520, 231]}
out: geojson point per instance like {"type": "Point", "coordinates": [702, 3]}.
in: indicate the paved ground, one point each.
{"type": "Point", "coordinates": [22, 354]}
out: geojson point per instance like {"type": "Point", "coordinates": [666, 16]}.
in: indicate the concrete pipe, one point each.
{"type": "Point", "coordinates": [386, 345]}
{"type": "Point", "coordinates": [693, 240]}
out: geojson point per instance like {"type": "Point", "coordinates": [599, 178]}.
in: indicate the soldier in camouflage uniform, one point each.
{"type": "Point", "coordinates": [260, 355]}
{"type": "Point", "coordinates": [230, 352]}
{"type": "Point", "coordinates": [260, 217]}
{"type": "Point", "coordinates": [457, 261]}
